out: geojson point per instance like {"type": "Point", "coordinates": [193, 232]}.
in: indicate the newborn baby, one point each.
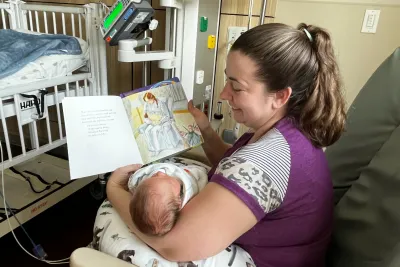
{"type": "Point", "coordinates": [159, 192]}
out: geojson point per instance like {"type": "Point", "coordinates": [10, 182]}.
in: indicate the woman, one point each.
{"type": "Point", "coordinates": [159, 127]}
{"type": "Point", "coordinates": [270, 192]}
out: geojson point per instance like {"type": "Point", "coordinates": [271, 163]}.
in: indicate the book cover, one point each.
{"type": "Point", "coordinates": [161, 123]}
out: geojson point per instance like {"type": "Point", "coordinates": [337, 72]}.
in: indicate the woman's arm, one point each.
{"type": "Point", "coordinates": [195, 236]}
{"type": "Point", "coordinates": [213, 146]}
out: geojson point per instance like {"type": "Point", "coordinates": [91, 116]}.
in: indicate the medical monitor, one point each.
{"type": "Point", "coordinates": [126, 19]}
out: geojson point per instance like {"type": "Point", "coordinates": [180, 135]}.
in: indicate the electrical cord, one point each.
{"type": "Point", "coordinates": [40, 178]}
{"type": "Point", "coordinates": [38, 249]}
{"type": "Point", "coordinates": [28, 179]}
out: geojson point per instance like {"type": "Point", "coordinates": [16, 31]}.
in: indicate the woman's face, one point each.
{"type": "Point", "coordinates": [149, 100]}
{"type": "Point", "coordinates": [250, 102]}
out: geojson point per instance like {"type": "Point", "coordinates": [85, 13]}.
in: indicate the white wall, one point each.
{"type": "Point", "coordinates": [359, 54]}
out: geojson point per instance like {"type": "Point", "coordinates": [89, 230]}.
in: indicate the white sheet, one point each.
{"type": "Point", "coordinates": [47, 67]}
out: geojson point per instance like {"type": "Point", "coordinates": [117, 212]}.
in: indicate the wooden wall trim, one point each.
{"type": "Point", "coordinates": [354, 2]}
{"type": "Point", "coordinates": [241, 7]}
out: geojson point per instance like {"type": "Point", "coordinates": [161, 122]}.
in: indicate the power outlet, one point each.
{"type": "Point", "coordinates": [234, 33]}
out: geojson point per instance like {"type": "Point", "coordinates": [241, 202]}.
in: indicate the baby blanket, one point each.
{"type": "Point", "coordinates": [193, 177]}
{"type": "Point", "coordinates": [17, 49]}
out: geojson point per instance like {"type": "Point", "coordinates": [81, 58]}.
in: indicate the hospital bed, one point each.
{"type": "Point", "coordinates": [30, 106]}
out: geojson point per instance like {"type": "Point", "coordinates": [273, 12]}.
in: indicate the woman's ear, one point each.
{"type": "Point", "coordinates": [282, 97]}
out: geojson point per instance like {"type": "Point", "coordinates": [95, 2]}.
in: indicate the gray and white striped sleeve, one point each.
{"type": "Point", "coordinates": [258, 171]}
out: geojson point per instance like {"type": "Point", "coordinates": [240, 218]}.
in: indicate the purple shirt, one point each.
{"type": "Point", "coordinates": [285, 182]}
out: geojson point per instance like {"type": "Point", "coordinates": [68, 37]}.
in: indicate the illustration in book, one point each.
{"type": "Point", "coordinates": [161, 122]}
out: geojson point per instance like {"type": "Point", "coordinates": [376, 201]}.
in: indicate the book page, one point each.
{"type": "Point", "coordinates": [99, 137]}
{"type": "Point", "coordinates": [161, 123]}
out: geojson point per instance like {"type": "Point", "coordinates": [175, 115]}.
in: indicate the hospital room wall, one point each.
{"type": "Point", "coordinates": [359, 54]}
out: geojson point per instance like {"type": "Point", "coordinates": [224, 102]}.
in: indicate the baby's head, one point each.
{"type": "Point", "coordinates": [155, 204]}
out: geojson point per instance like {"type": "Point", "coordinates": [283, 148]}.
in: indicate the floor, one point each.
{"type": "Point", "coordinates": [60, 230]}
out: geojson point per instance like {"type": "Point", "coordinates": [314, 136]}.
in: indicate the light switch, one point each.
{"type": "Point", "coordinates": [370, 22]}
{"type": "Point", "coordinates": [200, 76]}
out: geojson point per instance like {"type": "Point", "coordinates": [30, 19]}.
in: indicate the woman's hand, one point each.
{"type": "Point", "coordinates": [200, 118]}
{"type": "Point", "coordinates": [121, 175]}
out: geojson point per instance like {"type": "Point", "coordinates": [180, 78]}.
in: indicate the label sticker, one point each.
{"type": "Point", "coordinates": [141, 17]}
{"type": "Point", "coordinates": [128, 27]}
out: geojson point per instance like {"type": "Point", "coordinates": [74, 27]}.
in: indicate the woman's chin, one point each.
{"type": "Point", "coordinates": [238, 117]}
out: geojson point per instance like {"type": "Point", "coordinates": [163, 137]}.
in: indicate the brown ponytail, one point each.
{"type": "Point", "coordinates": [323, 114]}
{"type": "Point", "coordinates": [304, 60]}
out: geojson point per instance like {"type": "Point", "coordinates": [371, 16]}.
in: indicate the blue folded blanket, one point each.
{"type": "Point", "coordinates": [17, 49]}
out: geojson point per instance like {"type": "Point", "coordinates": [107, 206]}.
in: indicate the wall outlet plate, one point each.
{"type": "Point", "coordinates": [371, 19]}
{"type": "Point", "coordinates": [234, 33]}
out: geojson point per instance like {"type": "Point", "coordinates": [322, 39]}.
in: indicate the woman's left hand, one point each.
{"type": "Point", "coordinates": [121, 175]}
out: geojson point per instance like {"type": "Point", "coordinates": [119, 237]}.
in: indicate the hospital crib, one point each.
{"type": "Point", "coordinates": [33, 139]}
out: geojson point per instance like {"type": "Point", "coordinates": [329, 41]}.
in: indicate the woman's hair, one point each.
{"type": "Point", "coordinates": [304, 60]}
{"type": "Point", "coordinates": [150, 96]}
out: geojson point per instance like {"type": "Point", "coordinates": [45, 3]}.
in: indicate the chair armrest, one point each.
{"type": "Point", "coordinates": [87, 257]}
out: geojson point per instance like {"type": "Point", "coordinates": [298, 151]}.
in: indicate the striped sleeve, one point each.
{"type": "Point", "coordinates": [258, 173]}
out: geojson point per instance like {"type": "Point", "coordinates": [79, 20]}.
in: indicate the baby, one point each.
{"type": "Point", "coordinates": [159, 192]}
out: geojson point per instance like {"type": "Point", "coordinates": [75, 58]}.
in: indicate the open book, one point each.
{"type": "Point", "coordinates": [141, 126]}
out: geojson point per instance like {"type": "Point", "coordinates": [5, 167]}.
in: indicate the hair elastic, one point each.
{"type": "Point", "coordinates": [308, 34]}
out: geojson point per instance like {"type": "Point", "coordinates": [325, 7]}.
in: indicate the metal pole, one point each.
{"type": "Point", "coordinates": [263, 10]}
{"type": "Point", "coordinates": [251, 5]}
{"type": "Point", "coordinates": [167, 37]}
{"type": "Point", "coordinates": [174, 36]}
{"type": "Point", "coordinates": [145, 66]}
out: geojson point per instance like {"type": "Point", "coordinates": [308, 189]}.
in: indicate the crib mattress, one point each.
{"type": "Point", "coordinates": [47, 67]}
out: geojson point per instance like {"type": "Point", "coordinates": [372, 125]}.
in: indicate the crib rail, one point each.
{"type": "Point", "coordinates": [20, 110]}
{"type": "Point", "coordinates": [28, 130]}
{"type": "Point", "coordinates": [7, 16]}
{"type": "Point", "coordinates": [43, 19]}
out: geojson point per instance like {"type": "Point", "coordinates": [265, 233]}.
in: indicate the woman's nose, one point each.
{"type": "Point", "coordinates": [225, 94]}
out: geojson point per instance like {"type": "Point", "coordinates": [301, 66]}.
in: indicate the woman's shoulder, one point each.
{"type": "Point", "coordinates": [258, 173]}
{"type": "Point", "coordinates": [285, 140]}
{"type": "Point", "coordinates": [262, 169]}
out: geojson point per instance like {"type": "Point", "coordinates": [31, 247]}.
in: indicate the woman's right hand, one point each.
{"type": "Point", "coordinates": [200, 118]}
{"type": "Point", "coordinates": [121, 175]}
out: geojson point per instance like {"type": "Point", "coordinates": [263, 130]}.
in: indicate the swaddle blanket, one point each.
{"type": "Point", "coordinates": [17, 49]}
{"type": "Point", "coordinates": [193, 177]}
